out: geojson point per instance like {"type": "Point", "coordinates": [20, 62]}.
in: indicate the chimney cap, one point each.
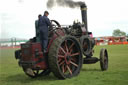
{"type": "Point", "coordinates": [83, 5]}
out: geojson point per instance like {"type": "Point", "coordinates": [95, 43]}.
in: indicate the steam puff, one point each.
{"type": "Point", "coordinates": [50, 3]}
{"type": "Point", "coordinates": [64, 3]}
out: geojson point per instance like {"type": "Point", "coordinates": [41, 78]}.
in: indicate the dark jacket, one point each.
{"type": "Point", "coordinates": [44, 22]}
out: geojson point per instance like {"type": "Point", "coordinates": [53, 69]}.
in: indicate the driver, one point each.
{"type": "Point", "coordinates": [44, 22]}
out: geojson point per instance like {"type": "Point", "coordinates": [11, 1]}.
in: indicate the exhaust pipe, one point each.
{"type": "Point", "coordinates": [84, 16]}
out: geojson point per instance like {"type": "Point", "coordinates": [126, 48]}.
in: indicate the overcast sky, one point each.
{"type": "Point", "coordinates": [17, 17]}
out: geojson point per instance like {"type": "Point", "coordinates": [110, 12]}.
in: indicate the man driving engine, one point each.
{"type": "Point", "coordinates": [44, 23]}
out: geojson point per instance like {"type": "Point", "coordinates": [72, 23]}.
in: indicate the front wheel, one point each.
{"type": "Point", "coordinates": [65, 57]}
{"type": "Point", "coordinates": [103, 59]}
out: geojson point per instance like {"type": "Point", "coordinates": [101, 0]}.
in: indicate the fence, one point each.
{"type": "Point", "coordinates": [11, 42]}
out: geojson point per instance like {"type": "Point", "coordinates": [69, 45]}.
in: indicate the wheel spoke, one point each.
{"type": "Point", "coordinates": [59, 60]}
{"type": "Point", "coordinates": [73, 64]}
{"type": "Point", "coordinates": [61, 56]}
{"type": "Point", "coordinates": [71, 46]}
{"type": "Point", "coordinates": [62, 63]}
{"type": "Point", "coordinates": [70, 51]}
{"type": "Point", "coordinates": [62, 50]}
{"type": "Point", "coordinates": [69, 69]}
{"type": "Point", "coordinates": [63, 68]}
{"type": "Point", "coordinates": [74, 60]}
{"type": "Point", "coordinates": [66, 46]}
{"type": "Point", "coordinates": [74, 54]}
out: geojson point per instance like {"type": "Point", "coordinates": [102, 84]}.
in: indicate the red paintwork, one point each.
{"type": "Point", "coordinates": [28, 51]}
{"type": "Point", "coordinates": [28, 54]}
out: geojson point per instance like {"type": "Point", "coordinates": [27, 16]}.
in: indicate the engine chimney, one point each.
{"type": "Point", "coordinates": [84, 15]}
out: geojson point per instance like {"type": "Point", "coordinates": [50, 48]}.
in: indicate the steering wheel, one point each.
{"type": "Point", "coordinates": [55, 25]}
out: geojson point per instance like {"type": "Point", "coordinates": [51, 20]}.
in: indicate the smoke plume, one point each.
{"type": "Point", "coordinates": [64, 3]}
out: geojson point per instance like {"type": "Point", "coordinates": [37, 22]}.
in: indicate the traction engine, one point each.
{"type": "Point", "coordinates": [66, 47]}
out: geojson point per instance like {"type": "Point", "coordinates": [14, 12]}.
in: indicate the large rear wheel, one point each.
{"type": "Point", "coordinates": [65, 57]}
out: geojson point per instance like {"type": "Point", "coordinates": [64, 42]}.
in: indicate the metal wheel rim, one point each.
{"type": "Point", "coordinates": [68, 59]}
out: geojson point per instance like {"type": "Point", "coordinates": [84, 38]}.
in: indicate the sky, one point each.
{"type": "Point", "coordinates": [17, 17]}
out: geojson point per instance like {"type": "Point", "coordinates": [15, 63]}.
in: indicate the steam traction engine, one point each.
{"type": "Point", "coordinates": [64, 56]}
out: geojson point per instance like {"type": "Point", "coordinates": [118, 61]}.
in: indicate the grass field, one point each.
{"type": "Point", "coordinates": [117, 74]}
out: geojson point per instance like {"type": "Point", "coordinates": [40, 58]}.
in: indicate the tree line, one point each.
{"type": "Point", "coordinates": [118, 33]}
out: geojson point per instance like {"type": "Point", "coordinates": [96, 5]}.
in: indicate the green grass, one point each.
{"type": "Point", "coordinates": [117, 74]}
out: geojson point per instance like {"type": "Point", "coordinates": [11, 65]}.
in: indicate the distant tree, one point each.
{"type": "Point", "coordinates": [118, 32]}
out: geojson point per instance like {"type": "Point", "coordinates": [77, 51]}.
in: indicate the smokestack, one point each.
{"type": "Point", "coordinates": [84, 15]}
